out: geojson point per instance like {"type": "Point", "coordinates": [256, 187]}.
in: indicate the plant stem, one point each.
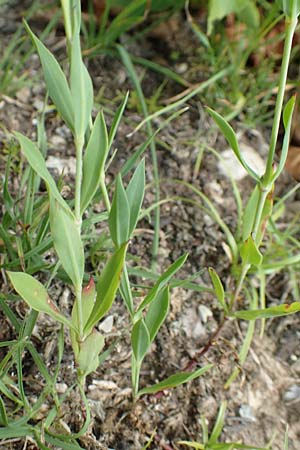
{"type": "Point", "coordinates": [79, 142]}
{"type": "Point", "coordinates": [291, 24]}
{"type": "Point", "coordinates": [104, 193]}
{"type": "Point", "coordinates": [263, 194]}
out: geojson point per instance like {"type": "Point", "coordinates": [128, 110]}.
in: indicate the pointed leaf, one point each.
{"type": "Point", "coordinates": [135, 194]}
{"type": "Point", "coordinates": [287, 121]}
{"type": "Point", "coordinates": [157, 312]}
{"type": "Point", "coordinates": [218, 287]}
{"type": "Point", "coordinates": [230, 136]}
{"type": "Point", "coordinates": [81, 88]}
{"type": "Point", "coordinates": [267, 313]}
{"type": "Point", "coordinates": [67, 242]}
{"type": "Point", "coordinates": [219, 424]}
{"type": "Point", "coordinates": [119, 217]}
{"type": "Point", "coordinates": [175, 380]}
{"type": "Point", "coordinates": [55, 79]}
{"type": "Point", "coordinates": [88, 298]}
{"type": "Point", "coordinates": [38, 164]}
{"type": "Point", "coordinates": [88, 358]}
{"type": "Point", "coordinates": [3, 414]}
{"type": "Point", "coordinates": [107, 286]}
{"type": "Point", "coordinates": [250, 253]}
{"type": "Point", "coordinates": [249, 213]}
{"type": "Point", "coordinates": [162, 281]}
{"type": "Point", "coordinates": [116, 121]}
{"type": "Point", "coordinates": [94, 161]}
{"type": "Point", "coordinates": [140, 340]}
{"type": "Point", "coordinates": [36, 296]}
{"type": "Point", "coordinates": [192, 444]}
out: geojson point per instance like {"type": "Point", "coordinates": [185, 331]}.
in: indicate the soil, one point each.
{"type": "Point", "coordinates": [264, 398]}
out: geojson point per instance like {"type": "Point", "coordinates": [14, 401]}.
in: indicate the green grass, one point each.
{"type": "Point", "coordinates": [98, 267]}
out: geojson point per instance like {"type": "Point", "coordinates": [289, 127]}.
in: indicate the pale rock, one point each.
{"type": "Point", "coordinates": [229, 165]}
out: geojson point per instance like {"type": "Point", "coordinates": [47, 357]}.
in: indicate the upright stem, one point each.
{"type": "Point", "coordinates": [291, 24]}
{"type": "Point", "coordinates": [79, 142]}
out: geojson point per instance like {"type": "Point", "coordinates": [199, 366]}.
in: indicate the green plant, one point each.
{"type": "Point", "coordinates": [62, 230]}
{"type": "Point", "coordinates": [211, 441]}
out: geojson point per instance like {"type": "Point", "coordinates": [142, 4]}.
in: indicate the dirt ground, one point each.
{"type": "Point", "coordinates": [265, 397]}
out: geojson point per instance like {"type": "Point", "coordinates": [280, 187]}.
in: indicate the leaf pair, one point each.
{"type": "Point", "coordinates": [126, 206]}
{"type": "Point", "coordinates": [74, 102]}
{"type": "Point", "coordinates": [145, 330]}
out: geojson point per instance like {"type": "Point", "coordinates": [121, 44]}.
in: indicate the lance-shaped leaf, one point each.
{"type": "Point", "coordinates": [88, 358]}
{"type": "Point", "coordinates": [36, 296]}
{"type": "Point", "coordinates": [81, 88]}
{"type": "Point", "coordinates": [116, 121]}
{"type": "Point", "coordinates": [135, 194]}
{"type": "Point", "coordinates": [218, 288]}
{"type": "Point", "coordinates": [287, 121]}
{"type": "Point", "coordinates": [250, 253]}
{"type": "Point", "coordinates": [37, 162]}
{"type": "Point", "coordinates": [175, 380]}
{"type": "Point", "coordinates": [230, 136]}
{"type": "Point", "coordinates": [249, 213]}
{"type": "Point", "coordinates": [140, 340]}
{"type": "Point", "coordinates": [162, 281]}
{"type": "Point", "coordinates": [119, 217]}
{"type": "Point", "coordinates": [67, 242]}
{"type": "Point", "coordinates": [55, 79]}
{"type": "Point", "coordinates": [157, 312]}
{"type": "Point", "coordinates": [107, 286]}
{"type": "Point", "coordinates": [88, 298]}
{"type": "Point", "coordinates": [267, 313]}
{"type": "Point", "coordinates": [94, 161]}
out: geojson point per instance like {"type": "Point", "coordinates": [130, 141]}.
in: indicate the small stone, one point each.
{"type": "Point", "coordinates": [292, 393]}
{"type": "Point", "coordinates": [231, 165]}
{"type": "Point", "coordinates": [61, 388]}
{"type": "Point", "coordinates": [62, 164]}
{"type": "Point", "coordinates": [205, 313]}
{"type": "Point", "coordinates": [107, 324]}
{"type": "Point", "coordinates": [246, 413]}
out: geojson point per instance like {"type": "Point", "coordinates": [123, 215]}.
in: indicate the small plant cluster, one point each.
{"type": "Point", "coordinates": [60, 224]}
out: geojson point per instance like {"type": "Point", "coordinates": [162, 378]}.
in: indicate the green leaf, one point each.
{"type": "Point", "coordinates": [94, 161]}
{"type": "Point", "coordinates": [38, 164]}
{"type": "Point", "coordinates": [219, 424]}
{"type": "Point", "coordinates": [140, 340]}
{"type": "Point", "coordinates": [250, 253]}
{"type": "Point", "coordinates": [67, 242]}
{"type": "Point", "coordinates": [119, 217]}
{"type": "Point", "coordinates": [230, 136]}
{"type": "Point", "coordinates": [55, 79]}
{"type": "Point", "coordinates": [88, 358]}
{"type": "Point", "coordinates": [192, 444]}
{"type": "Point", "coordinates": [267, 313]}
{"type": "Point", "coordinates": [81, 88]}
{"type": "Point", "coordinates": [245, 9]}
{"type": "Point", "coordinates": [3, 414]}
{"type": "Point", "coordinates": [287, 121]}
{"type": "Point", "coordinates": [88, 298]}
{"type": "Point", "coordinates": [289, 7]}
{"type": "Point", "coordinates": [157, 312]}
{"type": "Point", "coordinates": [107, 286]}
{"type": "Point", "coordinates": [249, 213]}
{"type": "Point", "coordinates": [218, 287]}
{"type": "Point", "coordinates": [135, 194]}
{"type": "Point", "coordinates": [175, 380]}
{"type": "Point", "coordinates": [36, 296]}
{"type": "Point", "coordinates": [162, 281]}
{"type": "Point", "coordinates": [116, 120]}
